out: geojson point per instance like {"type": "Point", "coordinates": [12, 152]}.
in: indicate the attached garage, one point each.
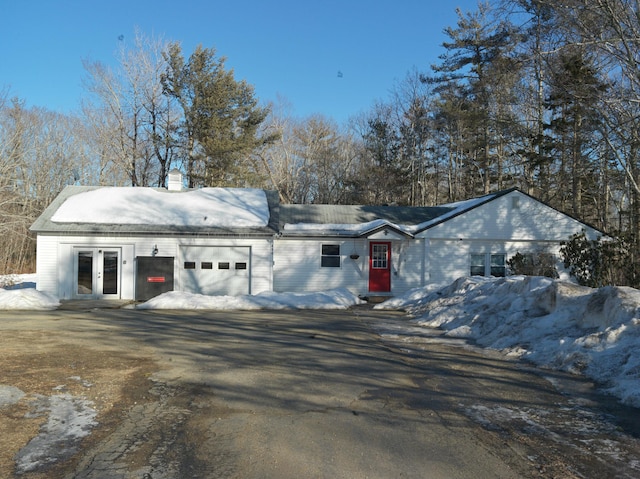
{"type": "Point", "coordinates": [137, 243]}
{"type": "Point", "coordinates": [216, 270]}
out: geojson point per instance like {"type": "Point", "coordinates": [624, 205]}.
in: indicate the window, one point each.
{"type": "Point", "coordinates": [206, 265]}
{"type": "Point", "coordinates": [189, 265]}
{"type": "Point", "coordinates": [488, 265]}
{"type": "Point", "coordinates": [498, 267]}
{"type": "Point", "coordinates": [477, 265]}
{"type": "Point", "coordinates": [223, 265]}
{"type": "Point", "coordinates": [241, 265]}
{"type": "Point", "coordinates": [380, 256]}
{"type": "Point", "coordinates": [330, 256]}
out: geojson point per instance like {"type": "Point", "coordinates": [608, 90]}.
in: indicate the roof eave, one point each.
{"type": "Point", "coordinates": [329, 233]}
{"type": "Point", "coordinates": [386, 227]}
{"type": "Point", "coordinates": [118, 229]}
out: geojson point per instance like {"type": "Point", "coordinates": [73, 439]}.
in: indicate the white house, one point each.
{"type": "Point", "coordinates": [135, 243]}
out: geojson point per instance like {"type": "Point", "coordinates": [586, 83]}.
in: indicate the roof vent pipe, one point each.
{"type": "Point", "coordinates": [175, 181]}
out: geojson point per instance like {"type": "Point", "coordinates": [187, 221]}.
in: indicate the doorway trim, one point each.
{"type": "Point", "coordinates": [97, 272]}
{"type": "Point", "coordinates": [380, 266]}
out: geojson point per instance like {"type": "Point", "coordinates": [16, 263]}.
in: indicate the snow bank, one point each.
{"type": "Point", "coordinates": [27, 298]}
{"type": "Point", "coordinates": [335, 299]}
{"type": "Point", "coordinates": [206, 207]}
{"type": "Point", "coordinates": [555, 324]}
{"type": "Point", "coordinates": [24, 296]}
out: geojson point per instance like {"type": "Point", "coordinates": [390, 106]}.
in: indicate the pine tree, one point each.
{"type": "Point", "coordinates": [221, 117]}
{"type": "Point", "coordinates": [476, 61]}
{"type": "Point", "coordinates": [575, 95]}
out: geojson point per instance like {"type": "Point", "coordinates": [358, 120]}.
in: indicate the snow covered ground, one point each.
{"type": "Point", "coordinates": [334, 299]}
{"type": "Point", "coordinates": [555, 324]}
{"type": "Point", "coordinates": [19, 293]}
{"type": "Point", "coordinates": [69, 419]}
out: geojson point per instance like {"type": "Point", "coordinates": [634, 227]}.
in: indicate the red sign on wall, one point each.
{"type": "Point", "coordinates": [155, 279]}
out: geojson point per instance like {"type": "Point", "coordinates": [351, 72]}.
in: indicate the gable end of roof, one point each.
{"type": "Point", "coordinates": [482, 200]}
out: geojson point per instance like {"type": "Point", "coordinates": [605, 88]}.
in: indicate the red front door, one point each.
{"type": "Point", "coordinates": [380, 267]}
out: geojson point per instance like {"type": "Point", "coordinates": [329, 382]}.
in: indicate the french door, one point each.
{"type": "Point", "coordinates": [97, 272]}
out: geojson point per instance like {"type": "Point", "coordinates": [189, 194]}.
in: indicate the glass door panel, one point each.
{"type": "Point", "coordinates": [379, 256]}
{"type": "Point", "coordinates": [85, 272]}
{"type": "Point", "coordinates": [110, 272]}
{"type": "Point", "coordinates": [97, 272]}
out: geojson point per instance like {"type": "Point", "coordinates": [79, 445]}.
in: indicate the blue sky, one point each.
{"type": "Point", "coordinates": [335, 58]}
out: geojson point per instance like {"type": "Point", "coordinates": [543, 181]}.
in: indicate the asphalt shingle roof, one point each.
{"type": "Point", "coordinates": [356, 214]}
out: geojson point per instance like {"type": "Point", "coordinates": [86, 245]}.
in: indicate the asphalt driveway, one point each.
{"type": "Point", "coordinates": [314, 394]}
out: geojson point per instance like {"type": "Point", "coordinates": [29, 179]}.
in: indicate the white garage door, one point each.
{"type": "Point", "coordinates": [216, 270]}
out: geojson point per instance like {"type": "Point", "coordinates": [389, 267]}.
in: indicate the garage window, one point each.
{"type": "Point", "coordinates": [241, 265]}
{"type": "Point", "coordinates": [330, 256]}
{"type": "Point", "coordinates": [223, 265]}
{"type": "Point", "coordinates": [189, 265]}
{"type": "Point", "coordinates": [206, 265]}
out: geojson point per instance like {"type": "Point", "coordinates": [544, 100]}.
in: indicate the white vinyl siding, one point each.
{"type": "Point", "coordinates": [55, 261]}
{"type": "Point", "coordinates": [407, 265]}
{"type": "Point", "coordinates": [499, 219]}
{"type": "Point", "coordinates": [47, 264]}
{"type": "Point", "coordinates": [297, 267]}
{"type": "Point", "coordinates": [448, 260]}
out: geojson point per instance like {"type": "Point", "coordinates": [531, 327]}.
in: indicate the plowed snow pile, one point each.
{"type": "Point", "coordinates": [555, 324]}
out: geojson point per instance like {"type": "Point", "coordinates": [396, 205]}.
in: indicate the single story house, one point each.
{"type": "Point", "coordinates": [136, 243]}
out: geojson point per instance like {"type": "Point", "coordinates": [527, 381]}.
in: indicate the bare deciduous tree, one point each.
{"type": "Point", "coordinates": [40, 152]}
{"type": "Point", "coordinates": [133, 122]}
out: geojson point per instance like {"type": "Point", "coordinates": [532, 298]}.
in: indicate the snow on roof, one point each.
{"type": "Point", "coordinates": [331, 228]}
{"type": "Point", "coordinates": [206, 207]}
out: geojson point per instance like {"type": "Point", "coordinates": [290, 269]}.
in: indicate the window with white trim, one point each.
{"type": "Point", "coordinates": [488, 264]}
{"type": "Point", "coordinates": [477, 264]}
{"type": "Point", "coordinates": [330, 257]}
